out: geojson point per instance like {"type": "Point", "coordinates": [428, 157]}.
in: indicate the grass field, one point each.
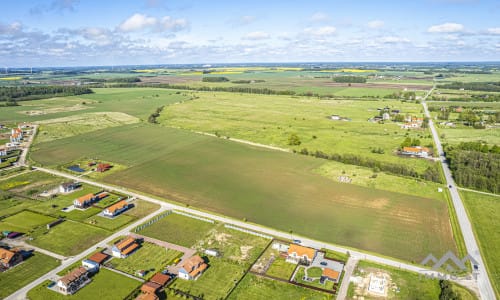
{"type": "Point", "coordinates": [26, 220]}
{"type": "Point", "coordinates": [266, 187]}
{"type": "Point", "coordinates": [110, 224]}
{"type": "Point", "coordinates": [271, 120]}
{"type": "Point", "coordinates": [105, 285]}
{"type": "Point", "coordinates": [69, 238]}
{"type": "Point", "coordinates": [281, 269]}
{"type": "Point", "coordinates": [17, 277]}
{"type": "Point", "coordinates": [259, 288]}
{"type": "Point", "coordinates": [311, 273]}
{"type": "Point", "coordinates": [148, 257]}
{"type": "Point", "coordinates": [215, 283]}
{"type": "Point", "coordinates": [483, 211]}
{"type": "Point", "coordinates": [178, 229]}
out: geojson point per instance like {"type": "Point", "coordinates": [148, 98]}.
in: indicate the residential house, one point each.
{"type": "Point", "coordinates": [90, 265]}
{"type": "Point", "coordinates": [416, 151]}
{"type": "Point", "coordinates": [3, 151]}
{"type": "Point", "coordinates": [103, 167]}
{"type": "Point", "coordinates": [98, 257]}
{"type": "Point", "coordinates": [116, 208]}
{"type": "Point", "coordinates": [192, 268]}
{"type": "Point", "coordinates": [9, 258]}
{"type": "Point", "coordinates": [329, 274]}
{"type": "Point", "coordinates": [161, 279]}
{"type": "Point", "coordinates": [16, 135]}
{"type": "Point", "coordinates": [72, 282]}
{"type": "Point", "coordinates": [300, 254]}
{"type": "Point", "coordinates": [69, 187]}
{"type": "Point", "coordinates": [84, 201]}
{"type": "Point", "coordinates": [125, 247]}
{"type": "Point", "coordinates": [149, 290]}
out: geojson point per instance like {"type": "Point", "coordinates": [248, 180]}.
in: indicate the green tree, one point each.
{"type": "Point", "coordinates": [294, 140]}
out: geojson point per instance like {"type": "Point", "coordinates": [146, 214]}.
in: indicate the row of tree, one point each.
{"type": "Point", "coordinates": [22, 93]}
{"type": "Point", "coordinates": [152, 117]}
{"type": "Point", "coordinates": [215, 79]}
{"type": "Point", "coordinates": [472, 86]}
{"type": "Point", "coordinates": [349, 79]}
{"type": "Point", "coordinates": [475, 165]}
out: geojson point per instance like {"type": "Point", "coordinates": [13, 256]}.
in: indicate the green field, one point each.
{"type": "Point", "coordinates": [281, 269]}
{"type": "Point", "coordinates": [215, 283]}
{"type": "Point", "coordinates": [26, 220]}
{"type": "Point", "coordinates": [110, 224]}
{"type": "Point", "coordinates": [69, 237]}
{"type": "Point", "coordinates": [270, 187]}
{"type": "Point", "coordinates": [483, 211]}
{"type": "Point", "coordinates": [178, 229]}
{"type": "Point", "coordinates": [148, 257]}
{"type": "Point", "coordinates": [17, 277]}
{"type": "Point", "coordinates": [271, 120]}
{"type": "Point", "coordinates": [105, 285]}
{"type": "Point", "coordinates": [259, 288]}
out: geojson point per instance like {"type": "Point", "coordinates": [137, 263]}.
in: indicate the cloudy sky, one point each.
{"type": "Point", "coordinates": [107, 32]}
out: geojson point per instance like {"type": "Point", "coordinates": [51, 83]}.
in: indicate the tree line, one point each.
{"type": "Point", "coordinates": [349, 79]}
{"type": "Point", "coordinates": [22, 93]}
{"type": "Point", "coordinates": [152, 117]}
{"type": "Point", "coordinates": [473, 86]}
{"type": "Point", "coordinates": [475, 165]}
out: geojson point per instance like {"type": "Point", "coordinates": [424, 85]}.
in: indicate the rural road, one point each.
{"type": "Point", "coordinates": [483, 281]}
{"type": "Point", "coordinates": [348, 270]}
{"type": "Point", "coordinates": [254, 227]}
{"type": "Point", "coordinates": [23, 244]}
{"type": "Point", "coordinates": [21, 294]}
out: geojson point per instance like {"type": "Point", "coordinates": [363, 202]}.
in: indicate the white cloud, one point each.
{"type": "Point", "coordinates": [167, 23]}
{"type": "Point", "coordinates": [495, 30]}
{"type": "Point", "coordinates": [375, 24]}
{"type": "Point", "coordinates": [257, 35]}
{"type": "Point", "coordinates": [138, 22]}
{"type": "Point", "coordinates": [321, 31]}
{"type": "Point", "coordinates": [446, 28]}
{"type": "Point", "coordinates": [393, 40]}
{"type": "Point", "coordinates": [319, 17]}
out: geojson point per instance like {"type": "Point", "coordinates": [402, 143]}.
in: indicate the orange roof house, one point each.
{"type": "Point", "coordinates": [150, 287]}
{"type": "Point", "coordinates": [72, 282]}
{"type": "Point", "coordinates": [331, 275]}
{"type": "Point", "coordinates": [125, 247]}
{"type": "Point", "coordinates": [416, 151]}
{"type": "Point", "coordinates": [116, 208]}
{"type": "Point", "coordinates": [98, 257]}
{"type": "Point", "coordinates": [84, 201]}
{"type": "Point", "coordinates": [9, 258]}
{"type": "Point", "coordinates": [160, 279]}
{"type": "Point", "coordinates": [192, 268]}
{"type": "Point", "coordinates": [298, 253]}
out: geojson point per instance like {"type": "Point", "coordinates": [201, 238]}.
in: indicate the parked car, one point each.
{"type": "Point", "coordinates": [297, 241]}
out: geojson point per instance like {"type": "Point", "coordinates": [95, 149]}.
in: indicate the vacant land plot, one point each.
{"type": "Point", "coordinates": [148, 257]}
{"type": "Point", "coordinates": [271, 120]}
{"type": "Point", "coordinates": [178, 229]}
{"type": "Point", "coordinates": [281, 269]}
{"type": "Point", "coordinates": [30, 183]}
{"type": "Point", "coordinates": [256, 287]}
{"type": "Point", "coordinates": [69, 238]}
{"type": "Point", "coordinates": [484, 211]}
{"type": "Point", "coordinates": [110, 224]}
{"type": "Point", "coordinates": [141, 209]}
{"type": "Point", "coordinates": [105, 285]}
{"type": "Point", "coordinates": [17, 277]}
{"type": "Point", "coordinates": [215, 283]}
{"type": "Point", "coordinates": [26, 220]}
{"type": "Point", "coordinates": [276, 189]}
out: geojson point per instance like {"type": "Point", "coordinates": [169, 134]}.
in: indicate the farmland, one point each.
{"type": "Point", "coordinates": [483, 210]}
{"type": "Point", "coordinates": [15, 278]}
{"type": "Point", "coordinates": [227, 171]}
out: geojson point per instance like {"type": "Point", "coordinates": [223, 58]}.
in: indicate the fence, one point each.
{"type": "Point", "coordinates": [248, 231]}
{"type": "Point", "coordinates": [152, 221]}
{"type": "Point", "coordinates": [193, 216]}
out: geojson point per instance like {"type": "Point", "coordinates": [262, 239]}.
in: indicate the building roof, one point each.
{"type": "Point", "coordinates": [6, 255]}
{"type": "Point", "coordinates": [160, 278]}
{"type": "Point", "coordinates": [119, 205]}
{"type": "Point", "coordinates": [198, 270]}
{"type": "Point", "coordinates": [85, 198]}
{"type": "Point", "coordinates": [150, 287]}
{"type": "Point", "coordinates": [124, 243]}
{"type": "Point", "coordinates": [73, 275]}
{"type": "Point", "coordinates": [192, 263]}
{"type": "Point", "coordinates": [102, 195]}
{"type": "Point", "coordinates": [331, 274]}
{"type": "Point", "coordinates": [301, 251]}
{"type": "Point", "coordinates": [98, 257]}
{"type": "Point", "coordinates": [129, 249]}
{"type": "Point", "coordinates": [147, 296]}
{"type": "Point", "coordinates": [415, 149]}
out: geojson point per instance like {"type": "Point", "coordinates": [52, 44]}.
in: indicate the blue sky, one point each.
{"type": "Point", "coordinates": [106, 32]}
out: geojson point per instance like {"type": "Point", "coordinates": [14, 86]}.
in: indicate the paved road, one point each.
{"type": "Point", "coordinates": [348, 269]}
{"type": "Point", "coordinates": [21, 293]}
{"type": "Point", "coordinates": [266, 230]}
{"type": "Point", "coordinates": [483, 281]}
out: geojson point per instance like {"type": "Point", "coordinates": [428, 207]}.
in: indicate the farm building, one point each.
{"type": "Point", "coordinates": [72, 282]}
{"type": "Point", "coordinates": [98, 257]}
{"type": "Point", "coordinates": [192, 268]}
{"type": "Point", "coordinates": [90, 265]}
{"type": "Point", "coordinates": [9, 258]}
{"type": "Point", "coordinates": [103, 167]}
{"type": "Point", "coordinates": [69, 187]}
{"type": "Point", "coordinates": [125, 247]}
{"type": "Point", "coordinates": [116, 208]}
{"type": "Point", "coordinates": [300, 254]}
{"type": "Point", "coordinates": [416, 151]}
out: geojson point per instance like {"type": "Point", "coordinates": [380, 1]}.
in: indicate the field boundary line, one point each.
{"type": "Point", "coordinates": [479, 192]}
{"type": "Point", "coordinates": [193, 216]}
{"type": "Point", "coordinates": [249, 231]}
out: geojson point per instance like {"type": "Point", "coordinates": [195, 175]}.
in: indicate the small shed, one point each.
{"type": "Point", "coordinates": [212, 252]}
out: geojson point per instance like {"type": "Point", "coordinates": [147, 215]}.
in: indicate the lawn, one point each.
{"type": "Point", "coordinates": [236, 246]}
{"type": "Point", "coordinates": [105, 285]}
{"type": "Point", "coordinates": [178, 229]}
{"type": "Point", "coordinates": [110, 224]}
{"type": "Point", "coordinates": [17, 277]}
{"type": "Point", "coordinates": [215, 283]}
{"type": "Point", "coordinates": [266, 187]}
{"type": "Point", "coordinates": [27, 220]}
{"type": "Point", "coordinates": [149, 257]}
{"type": "Point", "coordinates": [69, 237]}
{"type": "Point", "coordinates": [483, 211]}
{"type": "Point", "coordinates": [281, 269]}
{"type": "Point", "coordinates": [316, 273]}
{"type": "Point", "coordinates": [259, 288]}
{"type": "Point", "coordinates": [141, 208]}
